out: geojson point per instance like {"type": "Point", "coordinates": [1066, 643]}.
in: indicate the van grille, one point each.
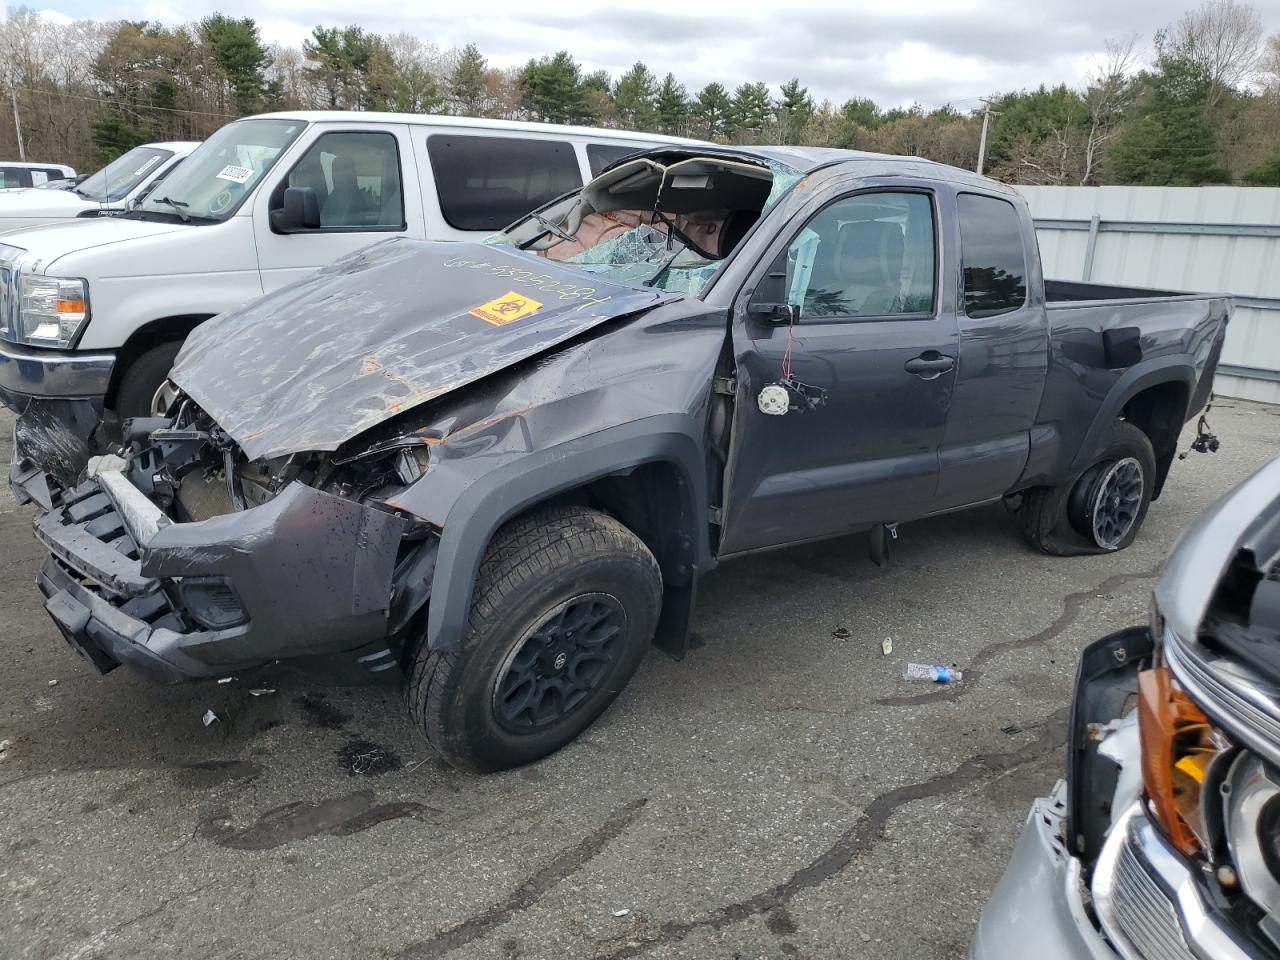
{"type": "Point", "coordinates": [6, 300]}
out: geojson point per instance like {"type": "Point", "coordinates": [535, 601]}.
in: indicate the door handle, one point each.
{"type": "Point", "coordinates": [929, 364]}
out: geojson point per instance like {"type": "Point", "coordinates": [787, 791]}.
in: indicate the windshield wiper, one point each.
{"type": "Point", "coordinates": [177, 206]}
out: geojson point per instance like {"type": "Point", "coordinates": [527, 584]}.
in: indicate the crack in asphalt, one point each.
{"type": "Point", "coordinates": [561, 866]}
{"type": "Point", "coordinates": [856, 841]}
{"type": "Point", "coordinates": [1072, 604]}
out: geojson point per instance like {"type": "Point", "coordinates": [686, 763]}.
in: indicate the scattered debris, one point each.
{"type": "Point", "coordinates": [226, 679]}
{"type": "Point", "coordinates": [886, 646]}
{"type": "Point", "coordinates": [53, 683]}
{"type": "Point", "coordinates": [364, 758]}
{"type": "Point", "coordinates": [840, 633]}
{"type": "Point", "coordinates": [933, 672]}
{"type": "Point", "coordinates": [262, 692]}
{"type": "Point", "coordinates": [1011, 730]}
{"type": "Point", "coordinates": [4, 749]}
{"type": "Point", "coordinates": [621, 913]}
{"type": "Point", "coordinates": [209, 717]}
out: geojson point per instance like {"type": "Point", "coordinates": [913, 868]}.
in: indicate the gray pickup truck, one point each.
{"type": "Point", "coordinates": [500, 469]}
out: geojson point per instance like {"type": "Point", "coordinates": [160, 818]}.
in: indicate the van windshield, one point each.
{"type": "Point", "coordinates": [114, 181]}
{"type": "Point", "coordinates": [211, 184]}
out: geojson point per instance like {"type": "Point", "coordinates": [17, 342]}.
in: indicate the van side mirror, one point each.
{"type": "Point", "coordinates": [301, 211]}
{"type": "Point", "coordinates": [772, 312]}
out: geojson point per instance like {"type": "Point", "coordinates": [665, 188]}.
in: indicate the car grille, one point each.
{"type": "Point", "coordinates": [1143, 912]}
{"type": "Point", "coordinates": [1231, 693]}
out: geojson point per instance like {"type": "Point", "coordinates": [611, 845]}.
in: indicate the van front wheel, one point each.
{"type": "Point", "coordinates": [144, 377]}
{"type": "Point", "coordinates": [564, 608]}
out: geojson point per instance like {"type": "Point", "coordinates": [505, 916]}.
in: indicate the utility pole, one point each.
{"type": "Point", "coordinates": [982, 143]}
{"type": "Point", "coordinates": [17, 123]}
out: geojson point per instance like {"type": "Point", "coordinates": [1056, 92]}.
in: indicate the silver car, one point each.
{"type": "Point", "coordinates": [1163, 841]}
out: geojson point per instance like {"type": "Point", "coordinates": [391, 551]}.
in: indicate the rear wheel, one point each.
{"type": "Point", "coordinates": [563, 611]}
{"type": "Point", "coordinates": [1102, 510]}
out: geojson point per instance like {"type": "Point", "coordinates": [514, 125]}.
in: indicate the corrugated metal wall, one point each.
{"type": "Point", "coordinates": [1209, 239]}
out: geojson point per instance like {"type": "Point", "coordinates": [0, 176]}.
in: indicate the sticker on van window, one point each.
{"type": "Point", "coordinates": [235, 174]}
{"type": "Point", "coordinates": [39, 178]}
{"type": "Point", "coordinates": [504, 309]}
{"type": "Point", "coordinates": [146, 166]}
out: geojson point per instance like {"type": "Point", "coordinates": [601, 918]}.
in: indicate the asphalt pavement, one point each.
{"type": "Point", "coordinates": [783, 792]}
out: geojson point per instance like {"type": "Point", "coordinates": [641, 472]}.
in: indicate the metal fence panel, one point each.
{"type": "Point", "coordinates": [1208, 239]}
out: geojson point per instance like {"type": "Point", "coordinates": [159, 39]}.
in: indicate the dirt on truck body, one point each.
{"type": "Point", "coordinates": [501, 468]}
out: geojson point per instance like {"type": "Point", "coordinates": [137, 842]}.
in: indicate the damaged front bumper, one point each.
{"type": "Point", "coordinates": [305, 573]}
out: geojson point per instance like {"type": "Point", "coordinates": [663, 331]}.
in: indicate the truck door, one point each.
{"type": "Point", "coordinates": [366, 187]}
{"type": "Point", "coordinates": [849, 331]}
{"type": "Point", "coordinates": [1004, 352]}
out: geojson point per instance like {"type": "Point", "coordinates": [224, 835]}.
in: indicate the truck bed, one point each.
{"type": "Point", "coordinates": [1067, 293]}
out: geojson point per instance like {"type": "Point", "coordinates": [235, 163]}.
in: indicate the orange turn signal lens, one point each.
{"type": "Point", "coordinates": [71, 306]}
{"type": "Point", "coordinates": [1176, 750]}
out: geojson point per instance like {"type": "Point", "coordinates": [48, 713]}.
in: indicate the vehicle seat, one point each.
{"type": "Point", "coordinates": [869, 257]}
{"type": "Point", "coordinates": [347, 205]}
{"type": "Point", "coordinates": [735, 227]}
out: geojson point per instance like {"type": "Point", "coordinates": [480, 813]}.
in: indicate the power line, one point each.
{"type": "Point", "coordinates": [137, 107]}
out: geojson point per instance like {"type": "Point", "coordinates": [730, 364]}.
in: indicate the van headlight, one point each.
{"type": "Point", "coordinates": [51, 310]}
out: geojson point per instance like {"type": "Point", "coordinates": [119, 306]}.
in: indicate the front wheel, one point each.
{"type": "Point", "coordinates": [564, 608]}
{"type": "Point", "coordinates": [1102, 510]}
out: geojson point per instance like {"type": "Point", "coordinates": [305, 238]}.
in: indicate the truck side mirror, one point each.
{"type": "Point", "coordinates": [301, 211]}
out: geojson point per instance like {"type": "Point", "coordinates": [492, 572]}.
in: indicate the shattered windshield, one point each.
{"type": "Point", "coordinates": [667, 225]}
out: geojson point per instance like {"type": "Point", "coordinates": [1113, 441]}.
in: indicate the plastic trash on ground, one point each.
{"type": "Point", "coordinates": [933, 672]}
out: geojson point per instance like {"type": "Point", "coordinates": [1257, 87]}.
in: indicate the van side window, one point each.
{"type": "Point", "coordinates": [13, 177]}
{"type": "Point", "coordinates": [486, 183]}
{"type": "Point", "coordinates": [356, 177]}
{"type": "Point", "coordinates": [600, 155]}
{"type": "Point", "coordinates": [991, 254]}
{"type": "Point", "coordinates": [867, 255]}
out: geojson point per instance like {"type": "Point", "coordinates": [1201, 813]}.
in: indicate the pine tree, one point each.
{"type": "Point", "coordinates": [750, 111]}
{"type": "Point", "coordinates": [1170, 141]}
{"type": "Point", "coordinates": [633, 98]}
{"type": "Point", "coordinates": [671, 106]}
{"type": "Point", "coordinates": [551, 89]}
{"type": "Point", "coordinates": [238, 51]}
{"type": "Point", "coordinates": [468, 89]}
{"type": "Point", "coordinates": [795, 109]}
{"type": "Point", "coordinates": [711, 110]}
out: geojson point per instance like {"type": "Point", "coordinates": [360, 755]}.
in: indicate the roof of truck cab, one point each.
{"type": "Point", "coordinates": [472, 123]}
{"type": "Point", "coordinates": [807, 159]}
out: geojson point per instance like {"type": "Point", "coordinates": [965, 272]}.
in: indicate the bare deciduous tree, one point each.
{"type": "Point", "coordinates": [1110, 91]}
{"type": "Point", "coordinates": [1225, 37]}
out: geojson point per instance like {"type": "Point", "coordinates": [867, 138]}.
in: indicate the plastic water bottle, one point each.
{"type": "Point", "coordinates": [933, 672]}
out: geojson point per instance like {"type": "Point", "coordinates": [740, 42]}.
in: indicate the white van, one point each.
{"type": "Point", "coordinates": [96, 310]}
{"type": "Point", "coordinates": [20, 173]}
{"type": "Point", "coordinates": [105, 193]}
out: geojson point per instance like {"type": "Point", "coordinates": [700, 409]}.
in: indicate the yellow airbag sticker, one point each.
{"type": "Point", "coordinates": [506, 308]}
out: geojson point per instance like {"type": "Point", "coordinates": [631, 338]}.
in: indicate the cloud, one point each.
{"type": "Point", "coordinates": [931, 51]}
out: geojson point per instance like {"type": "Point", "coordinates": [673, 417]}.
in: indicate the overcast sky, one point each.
{"type": "Point", "coordinates": [931, 51]}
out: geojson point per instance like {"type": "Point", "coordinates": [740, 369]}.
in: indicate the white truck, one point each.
{"type": "Point", "coordinates": [108, 192]}
{"type": "Point", "coordinates": [16, 174]}
{"type": "Point", "coordinates": [92, 312]}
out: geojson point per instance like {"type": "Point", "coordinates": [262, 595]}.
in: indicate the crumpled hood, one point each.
{"type": "Point", "coordinates": [381, 331]}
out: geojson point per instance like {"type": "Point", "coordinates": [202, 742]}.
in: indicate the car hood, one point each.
{"type": "Point", "coordinates": [45, 244]}
{"type": "Point", "coordinates": [27, 202]}
{"type": "Point", "coordinates": [1206, 548]}
{"type": "Point", "coordinates": [381, 331]}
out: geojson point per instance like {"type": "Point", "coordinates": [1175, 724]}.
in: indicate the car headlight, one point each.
{"type": "Point", "coordinates": [51, 310]}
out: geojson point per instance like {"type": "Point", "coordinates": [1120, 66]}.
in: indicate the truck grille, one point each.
{"type": "Point", "coordinates": [88, 541]}
{"type": "Point", "coordinates": [1146, 917]}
